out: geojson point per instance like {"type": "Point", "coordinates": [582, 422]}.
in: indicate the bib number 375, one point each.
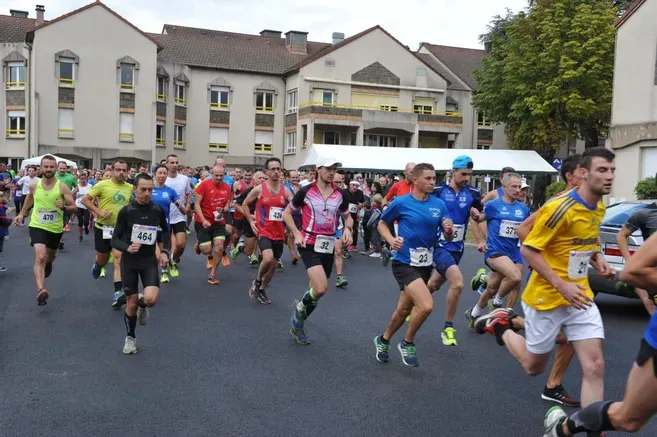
{"type": "Point", "coordinates": [144, 234]}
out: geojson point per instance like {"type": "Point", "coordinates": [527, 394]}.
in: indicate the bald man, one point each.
{"type": "Point", "coordinates": [402, 187]}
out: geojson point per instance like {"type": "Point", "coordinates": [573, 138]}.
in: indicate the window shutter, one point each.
{"type": "Point", "coordinates": [218, 135]}
{"type": "Point", "coordinates": [264, 137]}
{"type": "Point", "coordinates": [127, 122]}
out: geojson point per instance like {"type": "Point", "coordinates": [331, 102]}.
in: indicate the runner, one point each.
{"type": "Point", "coordinates": [356, 199]}
{"type": "Point", "coordinates": [213, 198]}
{"type": "Point", "coordinates": [177, 219]}
{"type": "Point", "coordinates": [17, 191]}
{"type": "Point", "coordinates": [112, 195]}
{"type": "Point", "coordinates": [270, 198]}
{"type": "Point", "coordinates": [24, 184]}
{"type": "Point", "coordinates": [139, 226]}
{"type": "Point", "coordinates": [420, 217]}
{"type": "Point", "coordinates": [238, 218]}
{"type": "Point", "coordinates": [293, 186]}
{"type": "Point", "coordinates": [399, 188]}
{"type": "Point", "coordinates": [67, 178]}
{"type": "Point", "coordinates": [83, 213]}
{"type": "Point", "coordinates": [250, 239]}
{"type": "Point", "coordinates": [310, 177]}
{"type": "Point", "coordinates": [558, 297]}
{"type": "Point", "coordinates": [460, 198]}
{"type": "Point", "coordinates": [340, 254]}
{"type": "Point", "coordinates": [321, 203]}
{"type": "Point", "coordinates": [50, 198]}
{"type": "Point", "coordinates": [640, 402]}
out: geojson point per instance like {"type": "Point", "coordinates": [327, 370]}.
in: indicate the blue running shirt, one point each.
{"type": "Point", "coordinates": [164, 197]}
{"type": "Point", "coordinates": [503, 219]}
{"type": "Point", "coordinates": [458, 206]}
{"type": "Point", "coordinates": [419, 222]}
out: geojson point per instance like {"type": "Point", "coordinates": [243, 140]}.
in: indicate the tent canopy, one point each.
{"type": "Point", "coordinates": [37, 161]}
{"type": "Point", "coordinates": [392, 159]}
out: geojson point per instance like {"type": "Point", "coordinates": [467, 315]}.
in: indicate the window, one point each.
{"type": "Point", "coordinates": [65, 127]}
{"type": "Point", "coordinates": [331, 137]}
{"type": "Point", "coordinates": [219, 97]}
{"type": "Point", "coordinates": [16, 75]}
{"type": "Point", "coordinates": [162, 88]}
{"type": "Point", "coordinates": [127, 127]}
{"type": "Point", "coordinates": [127, 77]}
{"type": "Point", "coordinates": [265, 101]}
{"type": "Point", "coordinates": [482, 121]}
{"type": "Point", "coordinates": [181, 92]}
{"type": "Point", "coordinates": [264, 141]}
{"type": "Point", "coordinates": [328, 98]}
{"type": "Point", "coordinates": [292, 101]}
{"type": "Point", "coordinates": [421, 71]}
{"type": "Point", "coordinates": [160, 134]}
{"type": "Point", "coordinates": [179, 136]}
{"type": "Point", "coordinates": [16, 124]}
{"type": "Point", "coordinates": [380, 141]}
{"type": "Point", "coordinates": [389, 108]}
{"type": "Point", "coordinates": [219, 138]}
{"type": "Point", "coordinates": [420, 109]}
{"type": "Point", "coordinates": [450, 144]}
{"type": "Point", "coordinates": [481, 147]}
{"type": "Point", "coordinates": [291, 142]}
{"type": "Point", "coordinates": [66, 71]}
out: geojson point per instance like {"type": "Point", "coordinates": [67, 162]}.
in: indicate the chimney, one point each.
{"type": "Point", "coordinates": [271, 33]}
{"type": "Point", "coordinates": [295, 41]}
{"type": "Point", "coordinates": [40, 10]}
{"type": "Point", "coordinates": [338, 37]}
{"type": "Point", "coordinates": [18, 14]}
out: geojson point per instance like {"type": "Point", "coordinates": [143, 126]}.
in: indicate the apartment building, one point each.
{"type": "Point", "coordinates": [633, 133]}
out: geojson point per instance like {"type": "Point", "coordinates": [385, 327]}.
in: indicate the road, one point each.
{"type": "Point", "coordinates": [212, 362]}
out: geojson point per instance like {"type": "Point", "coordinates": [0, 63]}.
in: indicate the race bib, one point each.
{"type": "Point", "coordinates": [508, 229]}
{"type": "Point", "coordinates": [324, 244]}
{"type": "Point", "coordinates": [218, 215]}
{"type": "Point", "coordinates": [108, 231]}
{"type": "Point", "coordinates": [144, 234]}
{"type": "Point", "coordinates": [18, 194]}
{"type": "Point", "coordinates": [353, 208]}
{"type": "Point", "coordinates": [578, 264]}
{"type": "Point", "coordinates": [48, 217]}
{"type": "Point", "coordinates": [275, 214]}
{"type": "Point", "coordinates": [459, 233]}
{"type": "Point", "coordinates": [421, 257]}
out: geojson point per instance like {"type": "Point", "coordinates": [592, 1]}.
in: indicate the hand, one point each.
{"type": "Point", "coordinates": [104, 214]}
{"type": "Point", "coordinates": [397, 243]}
{"type": "Point", "coordinates": [187, 208]}
{"type": "Point", "coordinates": [603, 268]}
{"type": "Point", "coordinates": [448, 228]}
{"type": "Point", "coordinates": [482, 247]}
{"type": "Point", "coordinates": [59, 204]}
{"type": "Point", "coordinates": [298, 239]}
{"type": "Point", "coordinates": [574, 294]}
{"type": "Point", "coordinates": [474, 213]}
{"type": "Point", "coordinates": [347, 237]}
{"type": "Point", "coordinates": [164, 260]}
{"type": "Point", "coordinates": [226, 208]}
{"type": "Point", "coordinates": [206, 224]}
{"type": "Point", "coordinates": [18, 220]}
{"type": "Point", "coordinates": [254, 227]}
{"type": "Point", "coordinates": [134, 247]}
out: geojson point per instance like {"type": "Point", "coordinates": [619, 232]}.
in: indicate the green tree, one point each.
{"type": "Point", "coordinates": [554, 188]}
{"type": "Point", "coordinates": [549, 74]}
{"type": "Point", "coordinates": [646, 189]}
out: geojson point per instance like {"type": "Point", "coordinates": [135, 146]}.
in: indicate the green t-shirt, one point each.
{"type": "Point", "coordinates": [68, 179]}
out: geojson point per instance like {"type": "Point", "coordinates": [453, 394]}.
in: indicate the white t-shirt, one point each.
{"type": "Point", "coordinates": [80, 194]}
{"type": "Point", "coordinates": [304, 182]}
{"type": "Point", "coordinates": [183, 187]}
{"type": "Point", "coordinates": [24, 182]}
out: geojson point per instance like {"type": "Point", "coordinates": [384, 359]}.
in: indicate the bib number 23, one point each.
{"type": "Point", "coordinates": [422, 257]}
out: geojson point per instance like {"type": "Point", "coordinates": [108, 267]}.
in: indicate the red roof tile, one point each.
{"type": "Point", "coordinates": [13, 29]}
{"type": "Point", "coordinates": [461, 61]}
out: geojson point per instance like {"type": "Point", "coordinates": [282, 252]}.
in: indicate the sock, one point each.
{"type": "Point", "coordinates": [481, 289]}
{"type": "Point", "coordinates": [309, 303]}
{"type": "Point", "coordinates": [497, 300]}
{"type": "Point", "coordinates": [449, 325]}
{"type": "Point", "coordinates": [130, 324]}
{"type": "Point", "coordinates": [118, 285]}
{"type": "Point", "coordinates": [383, 340]}
{"type": "Point", "coordinates": [594, 418]}
{"type": "Point", "coordinates": [476, 311]}
{"type": "Point", "coordinates": [405, 343]}
{"type": "Point", "coordinates": [258, 284]}
{"type": "Point", "coordinates": [210, 258]}
{"type": "Point", "coordinates": [141, 302]}
{"type": "Point", "coordinates": [483, 278]}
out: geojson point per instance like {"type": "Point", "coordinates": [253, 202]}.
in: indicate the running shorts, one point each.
{"type": "Point", "coordinates": [41, 236]}
{"type": "Point", "coordinates": [443, 259]}
{"type": "Point", "coordinates": [207, 236]}
{"type": "Point", "coordinates": [100, 244]}
{"type": "Point", "coordinates": [516, 258]}
{"type": "Point", "coordinates": [275, 246]}
{"type": "Point", "coordinates": [178, 228]}
{"type": "Point", "coordinates": [311, 259]}
{"type": "Point", "coordinates": [405, 274]}
{"type": "Point", "coordinates": [131, 272]}
{"type": "Point", "coordinates": [646, 351]}
{"type": "Point", "coordinates": [244, 226]}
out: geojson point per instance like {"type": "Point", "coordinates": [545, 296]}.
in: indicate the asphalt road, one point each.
{"type": "Point", "coordinates": [212, 362]}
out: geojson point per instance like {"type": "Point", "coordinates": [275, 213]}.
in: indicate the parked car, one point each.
{"type": "Point", "coordinates": [612, 222]}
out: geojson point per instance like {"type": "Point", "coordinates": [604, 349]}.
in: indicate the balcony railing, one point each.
{"type": "Point", "coordinates": [160, 141]}
{"type": "Point", "coordinates": [66, 81]}
{"type": "Point", "coordinates": [486, 123]}
{"type": "Point", "coordinates": [265, 108]}
{"type": "Point", "coordinates": [162, 97]}
{"type": "Point", "coordinates": [126, 136]}
{"type": "Point", "coordinates": [264, 148]}
{"type": "Point", "coordinates": [15, 84]}
{"type": "Point", "coordinates": [15, 132]}
{"type": "Point", "coordinates": [218, 105]}
{"type": "Point", "coordinates": [218, 146]}
{"type": "Point", "coordinates": [65, 132]}
{"type": "Point", "coordinates": [127, 87]}
{"type": "Point", "coordinates": [382, 108]}
{"type": "Point", "coordinates": [181, 101]}
{"type": "Point", "coordinates": [177, 144]}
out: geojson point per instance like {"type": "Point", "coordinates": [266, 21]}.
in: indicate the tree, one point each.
{"type": "Point", "coordinates": [646, 189]}
{"type": "Point", "coordinates": [550, 73]}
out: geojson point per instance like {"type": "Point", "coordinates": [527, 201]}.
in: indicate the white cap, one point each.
{"type": "Point", "coordinates": [355, 183]}
{"type": "Point", "coordinates": [524, 185]}
{"type": "Point", "coordinates": [327, 162]}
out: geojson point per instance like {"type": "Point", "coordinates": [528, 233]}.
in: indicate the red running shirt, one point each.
{"type": "Point", "coordinates": [215, 199]}
{"type": "Point", "coordinates": [241, 188]}
{"type": "Point", "coordinates": [269, 214]}
{"type": "Point", "coordinates": [399, 189]}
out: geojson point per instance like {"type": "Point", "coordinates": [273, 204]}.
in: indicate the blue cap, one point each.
{"type": "Point", "coordinates": [461, 162]}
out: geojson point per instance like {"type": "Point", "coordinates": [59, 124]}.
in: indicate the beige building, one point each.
{"type": "Point", "coordinates": [633, 134]}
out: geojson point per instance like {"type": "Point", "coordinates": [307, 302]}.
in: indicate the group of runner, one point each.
{"type": "Point", "coordinates": [143, 226]}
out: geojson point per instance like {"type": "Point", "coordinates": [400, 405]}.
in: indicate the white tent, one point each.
{"type": "Point", "coordinates": [393, 159]}
{"type": "Point", "coordinates": [37, 161]}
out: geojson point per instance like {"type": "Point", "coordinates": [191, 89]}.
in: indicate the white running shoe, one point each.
{"type": "Point", "coordinates": [130, 346]}
{"type": "Point", "coordinates": [553, 420]}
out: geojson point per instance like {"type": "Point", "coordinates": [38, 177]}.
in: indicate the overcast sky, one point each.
{"type": "Point", "coordinates": [445, 22]}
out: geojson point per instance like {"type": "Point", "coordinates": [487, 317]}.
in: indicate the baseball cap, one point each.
{"type": "Point", "coordinates": [524, 185]}
{"type": "Point", "coordinates": [461, 162]}
{"type": "Point", "coordinates": [327, 162]}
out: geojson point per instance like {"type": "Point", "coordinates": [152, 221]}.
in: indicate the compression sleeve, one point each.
{"type": "Point", "coordinates": [118, 240]}
{"type": "Point", "coordinates": [165, 233]}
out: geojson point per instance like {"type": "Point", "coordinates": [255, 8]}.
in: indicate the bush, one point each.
{"type": "Point", "coordinates": [646, 189]}
{"type": "Point", "coordinates": [554, 188]}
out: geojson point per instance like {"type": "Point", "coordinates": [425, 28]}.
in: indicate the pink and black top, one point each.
{"type": "Point", "coordinates": [319, 216]}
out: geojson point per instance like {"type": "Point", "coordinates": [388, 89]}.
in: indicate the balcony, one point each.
{"type": "Point", "coordinates": [219, 147]}
{"type": "Point", "coordinates": [128, 87]}
{"type": "Point", "coordinates": [65, 82]}
{"type": "Point", "coordinates": [265, 108]}
{"type": "Point", "coordinates": [177, 144]}
{"type": "Point", "coordinates": [160, 142]}
{"type": "Point", "coordinates": [15, 133]}
{"type": "Point", "coordinates": [181, 101]}
{"type": "Point", "coordinates": [263, 148]}
{"type": "Point", "coordinates": [486, 124]}
{"type": "Point", "coordinates": [161, 97]}
{"type": "Point", "coordinates": [220, 106]}
{"type": "Point", "coordinates": [15, 85]}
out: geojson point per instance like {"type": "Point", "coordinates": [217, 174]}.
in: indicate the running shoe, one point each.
{"type": "Point", "coordinates": [42, 297]}
{"type": "Point", "coordinates": [197, 248]}
{"type": "Point", "coordinates": [95, 271]}
{"type": "Point", "coordinates": [142, 315]}
{"type": "Point", "coordinates": [253, 259]}
{"type": "Point", "coordinates": [187, 231]}
{"type": "Point", "coordinates": [67, 228]}
{"type": "Point", "coordinates": [61, 245]}
{"type": "Point", "coordinates": [118, 300]}
{"type": "Point", "coordinates": [382, 350]}
{"type": "Point", "coordinates": [385, 256]}
{"type": "Point", "coordinates": [408, 354]}
{"type": "Point", "coordinates": [111, 258]}
{"type": "Point", "coordinates": [476, 281]}
{"type": "Point", "coordinates": [234, 252]}
{"type": "Point", "coordinates": [559, 395]}
{"type": "Point", "coordinates": [470, 319]}
{"type": "Point", "coordinates": [48, 269]}
{"type": "Point", "coordinates": [208, 265]}
{"type": "Point", "coordinates": [492, 305]}
{"type": "Point", "coordinates": [375, 255]}
{"type": "Point", "coordinates": [407, 319]}
{"type": "Point", "coordinates": [212, 280]}
{"type": "Point", "coordinates": [224, 260]}
{"type": "Point", "coordinates": [553, 420]}
{"type": "Point", "coordinates": [173, 269]}
{"type": "Point", "coordinates": [345, 255]}
{"type": "Point", "coordinates": [262, 297]}
{"type": "Point", "coordinates": [130, 346]}
{"type": "Point", "coordinates": [448, 336]}
{"type": "Point", "coordinates": [298, 330]}
{"type": "Point", "coordinates": [80, 239]}
{"type": "Point", "coordinates": [253, 293]}
{"type": "Point", "coordinates": [3, 268]}
{"type": "Point", "coordinates": [341, 282]}
{"type": "Point", "coordinates": [165, 278]}
{"type": "Point", "coordinates": [295, 260]}
{"type": "Point", "coordinates": [486, 323]}
{"type": "Point", "coordinates": [102, 272]}
{"type": "Point", "coordinates": [279, 264]}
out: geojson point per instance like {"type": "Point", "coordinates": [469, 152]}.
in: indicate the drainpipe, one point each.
{"type": "Point", "coordinates": [29, 100]}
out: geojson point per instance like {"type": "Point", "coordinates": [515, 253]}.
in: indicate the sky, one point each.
{"type": "Point", "coordinates": [445, 22]}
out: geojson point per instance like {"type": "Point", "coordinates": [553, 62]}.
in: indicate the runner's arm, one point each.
{"type": "Point", "coordinates": [88, 201]}
{"type": "Point", "coordinates": [165, 232]}
{"type": "Point", "coordinates": [640, 271]}
{"type": "Point", "coordinates": [252, 197]}
{"type": "Point", "coordinates": [65, 192]}
{"type": "Point", "coordinates": [197, 207]}
{"type": "Point", "coordinates": [525, 227]}
{"type": "Point", "coordinates": [491, 195]}
{"type": "Point", "coordinates": [623, 245]}
{"type": "Point", "coordinates": [29, 199]}
{"type": "Point", "coordinates": [121, 228]}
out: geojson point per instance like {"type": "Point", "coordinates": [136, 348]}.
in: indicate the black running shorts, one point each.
{"type": "Point", "coordinates": [179, 228]}
{"type": "Point", "coordinates": [208, 235]}
{"type": "Point", "coordinates": [276, 246]}
{"type": "Point", "coordinates": [405, 274]}
{"type": "Point", "coordinates": [101, 245]}
{"type": "Point", "coordinates": [41, 236]}
{"type": "Point", "coordinates": [311, 259]}
{"type": "Point", "coordinates": [645, 353]}
{"type": "Point", "coordinates": [131, 272]}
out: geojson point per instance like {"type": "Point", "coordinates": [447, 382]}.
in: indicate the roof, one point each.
{"type": "Point", "coordinates": [453, 82]}
{"type": "Point", "coordinates": [461, 61]}
{"type": "Point", "coordinates": [630, 10]}
{"type": "Point", "coordinates": [13, 29]}
{"type": "Point", "coordinates": [30, 35]}
{"type": "Point", "coordinates": [229, 51]}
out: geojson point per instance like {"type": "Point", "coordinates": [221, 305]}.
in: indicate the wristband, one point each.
{"type": "Point", "coordinates": [164, 251]}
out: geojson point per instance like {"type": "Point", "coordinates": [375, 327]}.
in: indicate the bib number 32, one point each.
{"type": "Point", "coordinates": [324, 244]}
